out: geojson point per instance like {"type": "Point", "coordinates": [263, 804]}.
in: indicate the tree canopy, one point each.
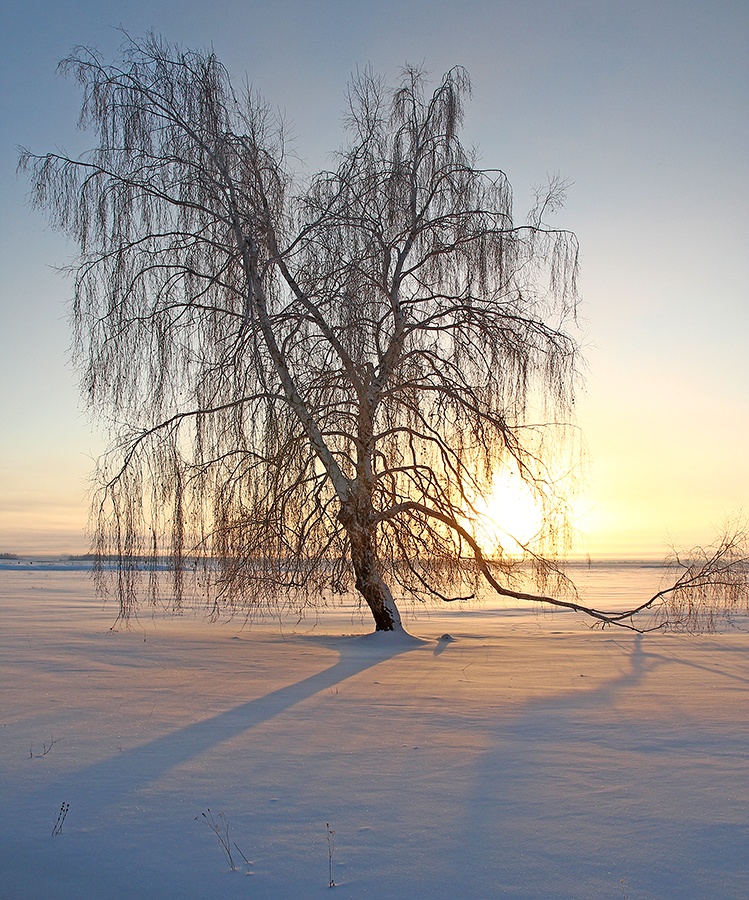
{"type": "Point", "coordinates": [310, 379]}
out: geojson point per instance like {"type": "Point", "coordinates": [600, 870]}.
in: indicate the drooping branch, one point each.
{"type": "Point", "coordinates": [712, 584]}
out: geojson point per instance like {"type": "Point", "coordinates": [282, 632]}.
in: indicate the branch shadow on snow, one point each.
{"type": "Point", "coordinates": [586, 788]}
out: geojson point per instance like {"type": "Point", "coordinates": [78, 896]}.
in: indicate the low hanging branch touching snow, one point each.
{"type": "Point", "coordinates": [712, 585]}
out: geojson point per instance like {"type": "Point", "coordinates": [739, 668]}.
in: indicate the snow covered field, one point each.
{"type": "Point", "coordinates": [531, 757]}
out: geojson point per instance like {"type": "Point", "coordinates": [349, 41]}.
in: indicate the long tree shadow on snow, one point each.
{"type": "Point", "coordinates": [128, 771]}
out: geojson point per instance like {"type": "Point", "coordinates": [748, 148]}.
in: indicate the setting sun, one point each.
{"type": "Point", "coordinates": [509, 516]}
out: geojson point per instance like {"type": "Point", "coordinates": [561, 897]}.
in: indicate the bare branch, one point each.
{"type": "Point", "coordinates": [308, 382]}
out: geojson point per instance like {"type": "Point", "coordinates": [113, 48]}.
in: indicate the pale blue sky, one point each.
{"type": "Point", "coordinates": [643, 105]}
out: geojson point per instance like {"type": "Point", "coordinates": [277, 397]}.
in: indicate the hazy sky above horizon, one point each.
{"type": "Point", "coordinates": [643, 106]}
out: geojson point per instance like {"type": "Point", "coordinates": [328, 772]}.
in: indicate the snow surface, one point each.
{"type": "Point", "coordinates": [528, 757]}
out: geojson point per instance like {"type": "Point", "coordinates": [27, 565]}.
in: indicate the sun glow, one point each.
{"type": "Point", "coordinates": [508, 517]}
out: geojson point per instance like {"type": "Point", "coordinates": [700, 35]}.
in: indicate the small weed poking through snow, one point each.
{"type": "Point", "coordinates": [46, 747]}
{"type": "Point", "coordinates": [220, 828]}
{"type": "Point", "coordinates": [57, 829]}
{"type": "Point", "coordinates": [331, 850]}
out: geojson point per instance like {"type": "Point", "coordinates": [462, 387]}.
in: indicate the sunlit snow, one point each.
{"type": "Point", "coordinates": [527, 757]}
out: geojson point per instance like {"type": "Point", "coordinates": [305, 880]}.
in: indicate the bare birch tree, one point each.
{"type": "Point", "coordinates": [309, 380]}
